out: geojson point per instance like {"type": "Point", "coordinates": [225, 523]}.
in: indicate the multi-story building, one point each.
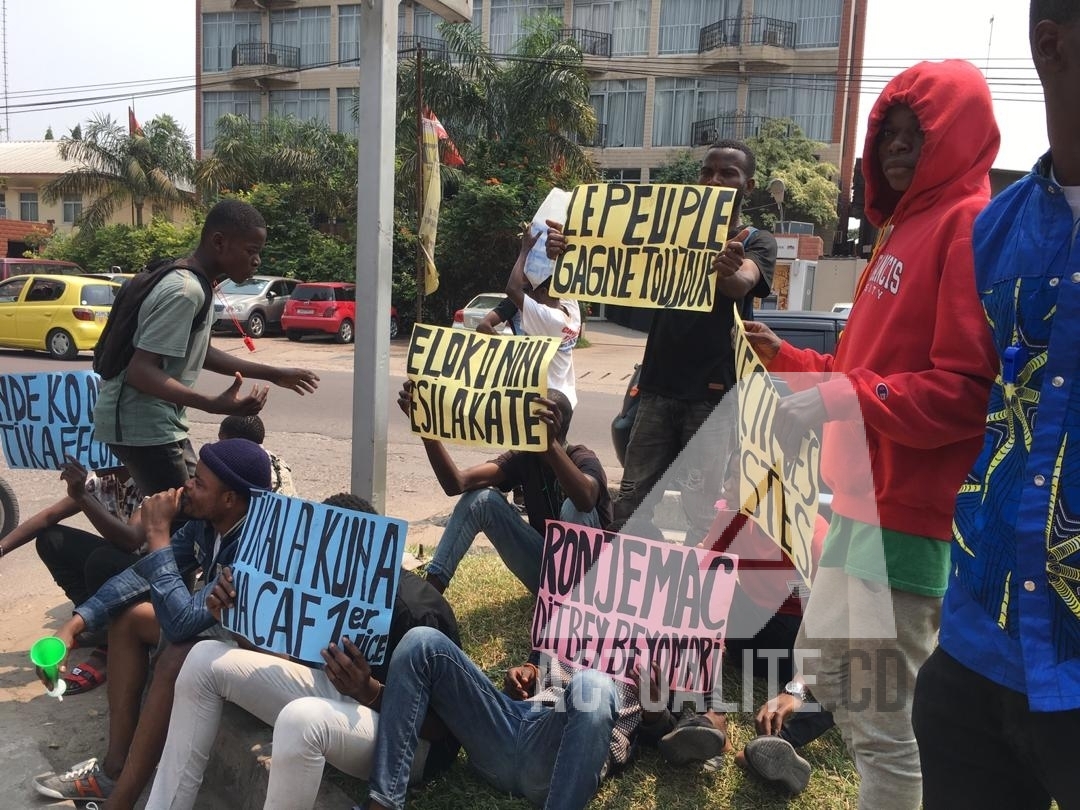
{"type": "Point", "coordinates": [667, 75]}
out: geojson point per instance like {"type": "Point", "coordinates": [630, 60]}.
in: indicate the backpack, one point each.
{"type": "Point", "coordinates": [116, 347]}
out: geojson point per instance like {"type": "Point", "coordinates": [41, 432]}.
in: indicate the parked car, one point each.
{"type": "Point", "coordinates": [804, 330]}
{"type": "Point", "coordinates": [325, 307]}
{"type": "Point", "coordinates": [469, 316]}
{"type": "Point", "coordinates": [63, 315]}
{"type": "Point", "coordinates": [256, 304]}
{"type": "Point", "coordinates": [119, 278]}
{"type": "Point", "coordinates": [24, 267]}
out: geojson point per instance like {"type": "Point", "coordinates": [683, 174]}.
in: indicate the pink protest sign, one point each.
{"type": "Point", "coordinates": [612, 601]}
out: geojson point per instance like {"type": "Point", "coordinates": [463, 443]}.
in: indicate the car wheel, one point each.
{"type": "Point", "coordinates": [61, 345]}
{"type": "Point", "coordinates": [345, 332]}
{"type": "Point", "coordinates": [293, 334]}
{"type": "Point", "coordinates": [393, 328]}
{"type": "Point", "coordinates": [256, 325]}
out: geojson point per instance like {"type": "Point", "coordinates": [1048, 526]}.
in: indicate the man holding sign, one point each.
{"type": "Point", "coordinates": [565, 482]}
{"type": "Point", "coordinates": [688, 367]}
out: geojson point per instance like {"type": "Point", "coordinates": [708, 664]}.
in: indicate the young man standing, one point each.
{"type": "Point", "coordinates": [141, 412]}
{"type": "Point", "coordinates": [901, 404]}
{"type": "Point", "coordinates": [997, 706]}
{"type": "Point", "coordinates": [689, 365]}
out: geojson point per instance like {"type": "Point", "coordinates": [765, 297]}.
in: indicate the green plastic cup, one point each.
{"type": "Point", "coordinates": [46, 654]}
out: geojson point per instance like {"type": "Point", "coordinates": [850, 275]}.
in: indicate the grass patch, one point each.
{"type": "Point", "coordinates": [494, 612]}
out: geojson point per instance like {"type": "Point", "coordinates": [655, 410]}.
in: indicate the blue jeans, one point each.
{"type": "Point", "coordinates": [553, 756]}
{"type": "Point", "coordinates": [518, 543]}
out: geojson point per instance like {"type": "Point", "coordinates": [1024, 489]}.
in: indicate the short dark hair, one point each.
{"type": "Point", "coordinates": [346, 500]}
{"type": "Point", "coordinates": [232, 216]}
{"type": "Point", "coordinates": [738, 146]}
{"type": "Point", "coordinates": [243, 427]}
{"type": "Point", "coordinates": [1059, 11]}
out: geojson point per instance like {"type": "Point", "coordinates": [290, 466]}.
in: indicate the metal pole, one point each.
{"type": "Point", "coordinates": [374, 229]}
{"type": "Point", "coordinates": [421, 262]}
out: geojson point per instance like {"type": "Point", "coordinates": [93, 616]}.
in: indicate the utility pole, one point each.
{"type": "Point", "coordinates": [421, 261]}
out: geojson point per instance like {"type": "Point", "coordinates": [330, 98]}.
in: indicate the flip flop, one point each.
{"type": "Point", "coordinates": [83, 678]}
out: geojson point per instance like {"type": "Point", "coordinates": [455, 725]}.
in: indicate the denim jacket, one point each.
{"type": "Point", "coordinates": [161, 576]}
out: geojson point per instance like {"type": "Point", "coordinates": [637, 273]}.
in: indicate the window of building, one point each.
{"type": "Point", "coordinates": [221, 32]}
{"type": "Point", "coordinates": [807, 99]}
{"type": "Point", "coordinates": [621, 175]}
{"type": "Point", "coordinates": [681, 22]}
{"type": "Point", "coordinates": [346, 103]}
{"type": "Point", "coordinates": [426, 24]}
{"type": "Point", "coordinates": [817, 22]}
{"type": "Point", "coordinates": [3, 205]}
{"type": "Point", "coordinates": [620, 109]}
{"type": "Point", "coordinates": [507, 18]}
{"type": "Point", "coordinates": [305, 28]}
{"type": "Point", "coordinates": [28, 206]}
{"type": "Point", "coordinates": [348, 34]}
{"type": "Point", "coordinates": [215, 105]}
{"type": "Point", "coordinates": [304, 105]}
{"type": "Point", "coordinates": [72, 207]}
{"type": "Point", "coordinates": [626, 20]}
{"type": "Point", "coordinates": [678, 103]}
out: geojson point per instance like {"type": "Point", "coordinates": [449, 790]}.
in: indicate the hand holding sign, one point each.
{"type": "Point", "coordinates": [551, 416]}
{"type": "Point", "coordinates": [763, 340]}
{"type": "Point", "coordinates": [349, 672]}
{"type": "Point", "coordinates": [797, 415]}
{"type": "Point", "coordinates": [73, 474]}
{"type": "Point", "coordinates": [222, 596]}
{"type": "Point", "coordinates": [556, 242]}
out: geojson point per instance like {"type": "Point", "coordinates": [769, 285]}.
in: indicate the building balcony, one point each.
{"type": "Point", "coordinates": [264, 62]}
{"type": "Point", "coordinates": [433, 49]}
{"type": "Point", "coordinates": [729, 125]}
{"type": "Point", "coordinates": [263, 5]}
{"type": "Point", "coordinates": [765, 35]}
{"type": "Point", "coordinates": [591, 43]}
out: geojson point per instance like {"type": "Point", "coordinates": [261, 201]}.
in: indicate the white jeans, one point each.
{"type": "Point", "coordinates": [313, 724]}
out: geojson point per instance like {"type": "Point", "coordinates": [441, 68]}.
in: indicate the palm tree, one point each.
{"type": "Point", "coordinates": [113, 166]}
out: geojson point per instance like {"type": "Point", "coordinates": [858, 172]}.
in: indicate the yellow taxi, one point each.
{"type": "Point", "coordinates": [63, 315]}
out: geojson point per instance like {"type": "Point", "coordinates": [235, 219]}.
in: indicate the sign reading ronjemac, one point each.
{"type": "Point", "coordinates": [644, 245]}
{"type": "Point", "coordinates": [307, 574]}
{"type": "Point", "coordinates": [44, 418]}
{"type": "Point", "coordinates": [614, 602]}
{"type": "Point", "coordinates": [478, 389]}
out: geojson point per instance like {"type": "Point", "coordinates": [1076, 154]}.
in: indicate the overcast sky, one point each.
{"type": "Point", "coordinates": [59, 51]}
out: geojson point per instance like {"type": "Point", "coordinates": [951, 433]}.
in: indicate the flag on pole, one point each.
{"type": "Point", "coordinates": [133, 125]}
{"type": "Point", "coordinates": [430, 202]}
{"type": "Point", "coordinates": [451, 156]}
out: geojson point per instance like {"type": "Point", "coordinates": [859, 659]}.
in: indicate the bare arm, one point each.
{"type": "Point", "coordinates": [517, 283]}
{"type": "Point", "coordinates": [455, 480]}
{"type": "Point", "coordinates": [736, 275]}
{"type": "Point", "coordinates": [32, 526]}
{"type": "Point", "coordinates": [146, 374]}
{"type": "Point", "coordinates": [582, 489]}
{"type": "Point", "coordinates": [299, 380]}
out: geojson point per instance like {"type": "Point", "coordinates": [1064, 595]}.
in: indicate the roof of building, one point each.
{"type": "Point", "coordinates": [32, 157]}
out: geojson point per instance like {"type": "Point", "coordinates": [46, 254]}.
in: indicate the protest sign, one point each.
{"type": "Point", "coordinates": [644, 245]}
{"type": "Point", "coordinates": [479, 389]}
{"type": "Point", "coordinates": [46, 417]}
{"type": "Point", "coordinates": [780, 495]}
{"type": "Point", "coordinates": [307, 574]}
{"type": "Point", "coordinates": [613, 602]}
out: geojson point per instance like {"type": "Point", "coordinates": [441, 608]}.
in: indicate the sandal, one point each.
{"type": "Point", "coordinates": [84, 678]}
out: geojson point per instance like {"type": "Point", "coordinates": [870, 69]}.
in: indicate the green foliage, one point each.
{"type": "Point", "coordinates": [784, 152]}
{"type": "Point", "coordinates": [684, 169]}
{"type": "Point", "coordinates": [49, 134]}
{"type": "Point", "coordinates": [123, 246]}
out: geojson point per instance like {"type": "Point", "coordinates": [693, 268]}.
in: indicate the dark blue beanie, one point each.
{"type": "Point", "coordinates": [241, 464]}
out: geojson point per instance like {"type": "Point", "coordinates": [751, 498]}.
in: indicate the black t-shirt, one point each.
{"type": "Point", "coordinates": [543, 493]}
{"type": "Point", "coordinates": [688, 355]}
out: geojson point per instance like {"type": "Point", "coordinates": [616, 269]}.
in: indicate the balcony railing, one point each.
{"type": "Point", "coordinates": [597, 141]}
{"type": "Point", "coordinates": [736, 31]}
{"type": "Point", "coordinates": [591, 43]}
{"type": "Point", "coordinates": [735, 125]}
{"type": "Point", "coordinates": [266, 53]}
{"type": "Point", "coordinates": [434, 49]}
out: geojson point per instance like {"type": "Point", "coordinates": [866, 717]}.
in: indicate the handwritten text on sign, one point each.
{"type": "Point", "coordinates": [307, 574]}
{"type": "Point", "coordinates": [608, 599]}
{"type": "Point", "coordinates": [46, 417]}
{"type": "Point", "coordinates": [644, 245]}
{"type": "Point", "coordinates": [479, 389]}
{"type": "Point", "coordinates": [780, 495]}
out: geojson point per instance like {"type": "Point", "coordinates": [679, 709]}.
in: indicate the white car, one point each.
{"type": "Point", "coordinates": [473, 312]}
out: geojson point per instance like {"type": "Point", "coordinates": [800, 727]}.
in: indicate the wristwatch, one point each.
{"type": "Point", "coordinates": [796, 689]}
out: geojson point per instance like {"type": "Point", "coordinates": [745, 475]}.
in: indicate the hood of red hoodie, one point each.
{"type": "Point", "coordinates": [952, 102]}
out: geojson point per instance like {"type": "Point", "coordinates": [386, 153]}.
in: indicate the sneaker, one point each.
{"type": "Point", "coordinates": [694, 739]}
{"type": "Point", "coordinates": [776, 760]}
{"type": "Point", "coordinates": [83, 782]}
{"type": "Point", "coordinates": [713, 764]}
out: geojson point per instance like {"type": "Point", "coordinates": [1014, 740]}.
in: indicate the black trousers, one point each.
{"type": "Point", "coordinates": [80, 562]}
{"type": "Point", "coordinates": [980, 745]}
{"type": "Point", "coordinates": [156, 468]}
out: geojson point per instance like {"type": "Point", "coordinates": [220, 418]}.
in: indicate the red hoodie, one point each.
{"type": "Point", "coordinates": [915, 361]}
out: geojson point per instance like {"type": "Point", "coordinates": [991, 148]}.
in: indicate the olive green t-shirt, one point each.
{"type": "Point", "coordinates": [124, 415]}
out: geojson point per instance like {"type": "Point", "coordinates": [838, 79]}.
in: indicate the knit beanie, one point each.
{"type": "Point", "coordinates": [241, 464]}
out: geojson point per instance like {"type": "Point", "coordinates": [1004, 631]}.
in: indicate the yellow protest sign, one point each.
{"type": "Point", "coordinates": [478, 389]}
{"type": "Point", "coordinates": [780, 495]}
{"type": "Point", "coordinates": [432, 198]}
{"type": "Point", "coordinates": [644, 245]}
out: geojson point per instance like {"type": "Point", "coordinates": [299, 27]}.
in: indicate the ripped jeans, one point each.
{"type": "Point", "coordinates": [675, 444]}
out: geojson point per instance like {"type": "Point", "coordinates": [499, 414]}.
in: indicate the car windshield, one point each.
{"type": "Point", "coordinates": [98, 295]}
{"type": "Point", "coordinates": [485, 302]}
{"type": "Point", "coordinates": [306, 293]}
{"type": "Point", "coordinates": [253, 286]}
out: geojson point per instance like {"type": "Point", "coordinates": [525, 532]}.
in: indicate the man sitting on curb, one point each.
{"type": "Point", "coordinates": [217, 498]}
{"type": "Point", "coordinates": [564, 482]}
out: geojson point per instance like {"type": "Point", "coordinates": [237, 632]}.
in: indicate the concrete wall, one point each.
{"type": "Point", "coordinates": [835, 280]}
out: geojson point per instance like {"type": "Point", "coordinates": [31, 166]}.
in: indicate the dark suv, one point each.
{"type": "Point", "coordinates": [803, 330]}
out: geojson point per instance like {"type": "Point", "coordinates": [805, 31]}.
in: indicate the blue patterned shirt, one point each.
{"type": "Point", "coordinates": [1012, 610]}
